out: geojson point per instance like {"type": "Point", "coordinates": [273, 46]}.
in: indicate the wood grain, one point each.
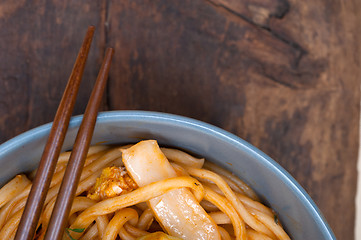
{"type": "Point", "coordinates": [282, 74]}
{"type": "Point", "coordinates": [38, 45]}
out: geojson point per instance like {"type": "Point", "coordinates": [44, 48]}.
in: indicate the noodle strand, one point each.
{"type": "Point", "coordinates": [139, 195]}
{"type": "Point", "coordinates": [231, 203]}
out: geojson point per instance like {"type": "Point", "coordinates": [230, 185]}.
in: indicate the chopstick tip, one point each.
{"type": "Point", "coordinates": [110, 50]}
{"type": "Point", "coordinates": [91, 29]}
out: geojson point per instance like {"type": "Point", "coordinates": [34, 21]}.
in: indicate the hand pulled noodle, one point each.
{"type": "Point", "coordinates": [145, 192]}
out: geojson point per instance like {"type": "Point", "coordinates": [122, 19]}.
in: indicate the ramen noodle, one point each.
{"type": "Point", "coordinates": [145, 192]}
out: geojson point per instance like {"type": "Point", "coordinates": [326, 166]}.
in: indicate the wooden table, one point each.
{"type": "Point", "coordinates": [282, 74]}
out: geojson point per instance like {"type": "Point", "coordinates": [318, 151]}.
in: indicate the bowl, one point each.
{"type": "Point", "coordinates": [298, 213]}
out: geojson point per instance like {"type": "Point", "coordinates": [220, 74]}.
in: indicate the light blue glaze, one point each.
{"type": "Point", "coordinates": [297, 212]}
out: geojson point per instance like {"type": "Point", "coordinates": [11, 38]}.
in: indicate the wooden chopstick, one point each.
{"type": "Point", "coordinates": [39, 189]}
{"type": "Point", "coordinates": [76, 162]}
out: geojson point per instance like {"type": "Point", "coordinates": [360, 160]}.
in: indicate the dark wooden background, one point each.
{"type": "Point", "coordinates": [282, 74]}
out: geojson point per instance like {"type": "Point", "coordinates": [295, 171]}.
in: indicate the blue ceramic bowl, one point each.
{"type": "Point", "coordinates": [297, 212]}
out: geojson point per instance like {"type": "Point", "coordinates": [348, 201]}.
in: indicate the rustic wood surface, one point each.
{"type": "Point", "coordinates": [282, 74]}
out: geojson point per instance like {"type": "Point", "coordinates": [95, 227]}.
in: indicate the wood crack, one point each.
{"type": "Point", "coordinates": [106, 33]}
{"type": "Point", "coordinates": [105, 43]}
{"type": "Point", "coordinates": [294, 45]}
{"type": "Point", "coordinates": [280, 13]}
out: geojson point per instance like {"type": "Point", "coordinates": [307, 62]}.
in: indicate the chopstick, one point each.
{"type": "Point", "coordinates": [39, 189]}
{"type": "Point", "coordinates": [76, 162]}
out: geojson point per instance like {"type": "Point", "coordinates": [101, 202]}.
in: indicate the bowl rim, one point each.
{"type": "Point", "coordinates": [230, 138]}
